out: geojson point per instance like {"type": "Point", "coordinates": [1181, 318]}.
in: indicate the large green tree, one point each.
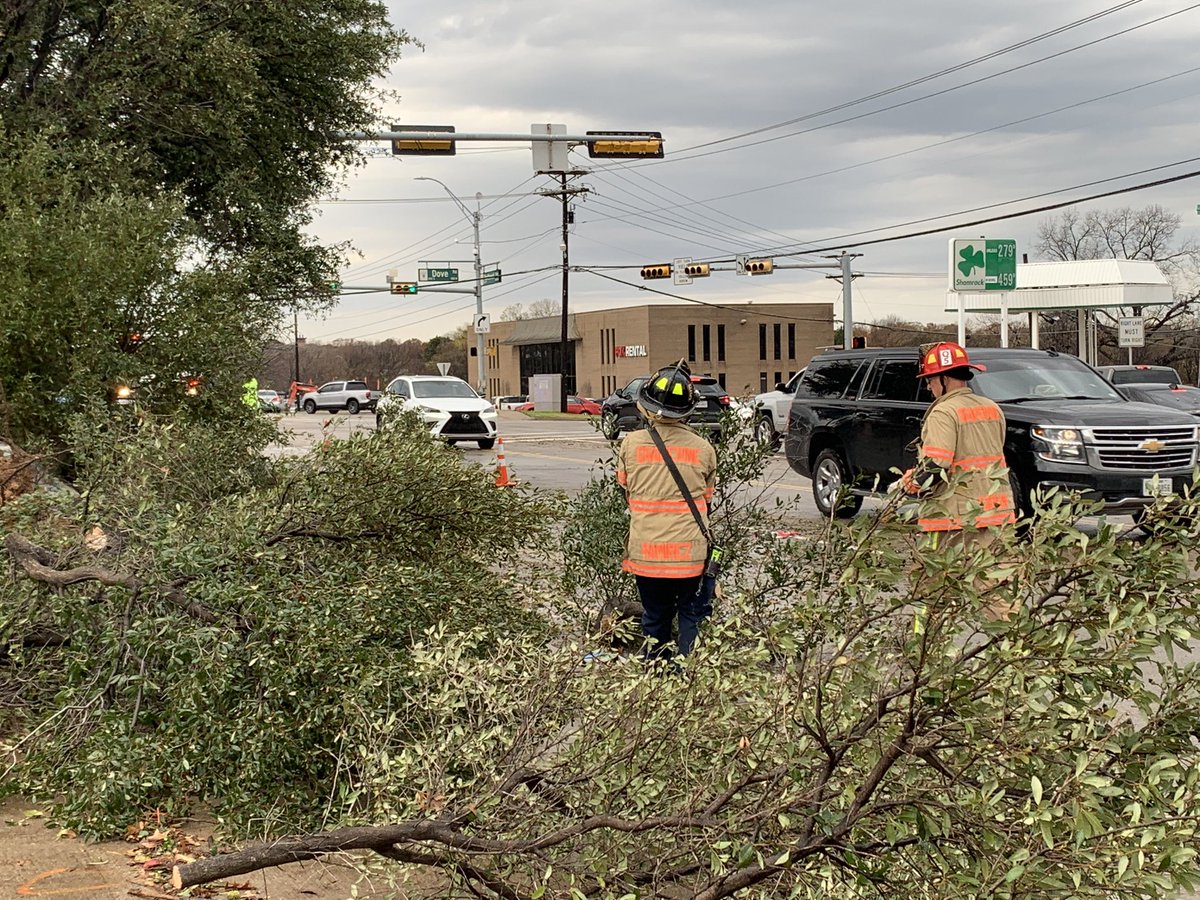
{"type": "Point", "coordinates": [159, 159]}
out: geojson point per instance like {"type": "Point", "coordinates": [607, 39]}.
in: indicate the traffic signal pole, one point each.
{"type": "Point", "coordinates": [565, 339]}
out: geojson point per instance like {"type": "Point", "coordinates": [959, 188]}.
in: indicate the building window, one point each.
{"type": "Point", "coordinates": [721, 375]}
{"type": "Point", "coordinates": [691, 343]}
{"type": "Point", "coordinates": [721, 346]}
{"type": "Point", "coordinates": [779, 378]}
{"type": "Point", "coordinates": [707, 343]}
{"type": "Point", "coordinates": [762, 343]}
{"type": "Point", "coordinates": [778, 332]}
{"type": "Point", "coordinates": [791, 340]}
{"type": "Point", "coordinates": [603, 346]}
{"type": "Point", "coordinates": [762, 377]}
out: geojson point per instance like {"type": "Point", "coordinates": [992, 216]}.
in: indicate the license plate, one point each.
{"type": "Point", "coordinates": [1157, 487]}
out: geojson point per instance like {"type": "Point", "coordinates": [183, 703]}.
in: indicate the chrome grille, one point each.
{"type": "Point", "coordinates": [1146, 448]}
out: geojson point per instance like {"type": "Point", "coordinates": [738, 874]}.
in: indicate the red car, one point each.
{"type": "Point", "coordinates": [580, 406]}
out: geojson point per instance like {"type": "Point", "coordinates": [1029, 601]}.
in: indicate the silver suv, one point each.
{"type": "Point", "coordinates": [348, 395]}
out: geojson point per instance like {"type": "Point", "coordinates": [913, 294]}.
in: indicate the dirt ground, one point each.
{"type": "Point", "coordinates": [36, 860]}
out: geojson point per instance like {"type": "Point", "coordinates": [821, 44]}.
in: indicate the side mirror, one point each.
{"type": "Point", "coordinates": [782, 388]}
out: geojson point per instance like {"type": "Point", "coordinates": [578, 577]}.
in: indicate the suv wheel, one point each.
{"type": "Point", "coordinates": [352, 406]}
{"type": "Point", "coordinates": [609, 427]}
{"type": "Point", "coordinates": [310, 406]}
{"type": "Point", "coordinates": [764, 432]}
{"type": "Point", "coordinates": [829, 481]}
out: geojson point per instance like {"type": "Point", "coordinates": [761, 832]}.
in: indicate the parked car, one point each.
{"type": "Point", "coordinates": [448, 406]}
{"type": "Point", "coordinates": [271, 401]}
{"type": "Point", "coordinates": [511, 401]}
{"type": "Point", "coordinates": [1176, 396]}
{"type": "Point", "coordinates": [856, 414]}
{"type": "Point", "coordinates": [619, 410]}
{"type": "Point", "coordinates": [348, 395]}
{"type": "Point", "coordinates": [1121, 375]}
{"type": "Point", "coordinates": [770, 411]}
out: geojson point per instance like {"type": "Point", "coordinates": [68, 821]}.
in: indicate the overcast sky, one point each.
{"type": "Point", "coordinates": [703, 72]}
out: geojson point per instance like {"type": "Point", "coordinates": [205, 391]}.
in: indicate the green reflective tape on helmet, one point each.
{"type": "Point", "coordinates": [661, 384]}
{"type": "Point", "coordinates": [678, 389]}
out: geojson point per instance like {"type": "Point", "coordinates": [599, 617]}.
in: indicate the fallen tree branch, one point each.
{"type": "Point", "coordinates": [37, 562]}
{"type": "Point", "coordinates": [382, 839]}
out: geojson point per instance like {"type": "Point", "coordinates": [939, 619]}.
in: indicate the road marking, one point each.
{"type": "Point", "coordinates": [28, 889]}
{"type": "Point", "coordinates": [573, 459]}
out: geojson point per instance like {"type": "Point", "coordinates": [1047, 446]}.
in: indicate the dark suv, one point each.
{"type": "Point", "coordinates": [619, 410]}
{"type": "Point", "coordinates": [856, 414]}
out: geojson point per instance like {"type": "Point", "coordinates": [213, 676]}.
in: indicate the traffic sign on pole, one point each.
{"type": "Point", "coordinates": [1131, 331]}
{"type": "Point", "coordinates": [983, 265]}
{"type": "Point", "coordinates": [491, 276]}
{"type": "Point", "coordinates": [483, 323]}
{"type": "Point", "coordinates": [437, 274]}
{"type": "Point", "coordinates": [677, 272]}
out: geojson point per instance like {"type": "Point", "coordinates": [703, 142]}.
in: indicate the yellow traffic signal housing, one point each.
{"type": "Point", "coordinates": [403, 287]}
{"type": "Point", "coordinates": [660, 271]}
{"type": "Point", "coordinates": [760, 266]}
{"type": "Point", "coordinates": [648, 145]}
{"type": "Point", "coordinates": [439, 143]}
{"type": "Point", "coordinates": [696, 270]}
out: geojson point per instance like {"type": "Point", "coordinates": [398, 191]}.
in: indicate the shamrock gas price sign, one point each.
{"type": "Point", "coordinates": [983, 265]}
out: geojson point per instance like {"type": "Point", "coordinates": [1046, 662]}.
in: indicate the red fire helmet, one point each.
{"type": "Point", "coordinates": [943, 357]}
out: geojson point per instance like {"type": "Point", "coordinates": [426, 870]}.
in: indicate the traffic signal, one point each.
{"type": "Point", "coordinates": [696, 270]}
{"type": "Point", "coordinates": [858, 342]}
{"type": "Point", "coordinates": [403, 287]}
{"type": "Point", "coordinates": [659, 271]}
{"type": "Point", "coordinates": [760, 266]}
{"type": "Point", "coordinates": [647, 145]}
{"type": "Point", "coordinates": [438, 144]}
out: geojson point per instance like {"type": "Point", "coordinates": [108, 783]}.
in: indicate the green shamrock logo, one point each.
{"type": "Point", "coordinates": [971, 259]}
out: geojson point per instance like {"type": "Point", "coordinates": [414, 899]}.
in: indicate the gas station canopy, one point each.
{"type": "Point", "coordinates": [1076, 284]}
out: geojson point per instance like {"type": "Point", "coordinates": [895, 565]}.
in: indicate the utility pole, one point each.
{"type": "Point", "coordinates": [565, 347]}
{"type": "Point", "coordinates": [847, 278]}
{"type": "Point", "coordinates": [296, 340]}
{"type": "Point", "coordinates": [473, 217]}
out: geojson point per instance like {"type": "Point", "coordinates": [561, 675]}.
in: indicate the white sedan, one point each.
{"type": "Point", "coordinates": [448, 406]}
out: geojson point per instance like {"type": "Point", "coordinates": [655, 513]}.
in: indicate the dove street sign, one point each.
{"type": "Point", "coordinates": [983, 265]}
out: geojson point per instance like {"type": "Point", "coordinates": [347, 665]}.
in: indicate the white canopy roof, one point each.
{"type": "Point", "coordinates": [1077, 284]}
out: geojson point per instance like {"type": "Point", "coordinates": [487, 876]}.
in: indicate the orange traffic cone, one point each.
{"type": "Point", "coordinates": [502, 479]}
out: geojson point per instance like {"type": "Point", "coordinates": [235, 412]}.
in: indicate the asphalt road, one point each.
{"type": "Point", "coordinates": [556, 454]}
{"type": "Point", "coordinates": [548, 454]}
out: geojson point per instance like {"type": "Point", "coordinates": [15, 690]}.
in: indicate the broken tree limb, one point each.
{"type": "Point", "coordinates": [382, 839]}
{"type": "Point", "coordinates": [37, 563]}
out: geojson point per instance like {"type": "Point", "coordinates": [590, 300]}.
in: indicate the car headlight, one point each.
{"type": "Point", "coordinates": [488, 411]}
{"type": "Point", "coordinates": [1058, 444]}
{"type": "Point", "coordinates": [429, 410]}
{"type": "Point", "coordinates": [124, 392]}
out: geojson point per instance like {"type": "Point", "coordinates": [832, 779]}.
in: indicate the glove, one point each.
{"type": "Point", "coordinates": [908, 484]}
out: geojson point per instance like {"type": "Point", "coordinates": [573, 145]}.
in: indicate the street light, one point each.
{"type": "Point", "coordinates": [473, 218]}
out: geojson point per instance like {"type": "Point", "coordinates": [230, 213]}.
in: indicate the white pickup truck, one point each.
{"type": "Point", "coordinates": [771, 411]}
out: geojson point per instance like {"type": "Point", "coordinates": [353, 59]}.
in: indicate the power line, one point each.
{"type": "Point", "coordinates": [677, 157]}
{"type": "Point", "coordinates": [921, 80]}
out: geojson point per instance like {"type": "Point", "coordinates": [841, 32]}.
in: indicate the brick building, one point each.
{"type": "Point", "coordinates": [748, 347]}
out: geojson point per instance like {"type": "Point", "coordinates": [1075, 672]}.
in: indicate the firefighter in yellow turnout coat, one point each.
{"type": "Point", "coordinates": [960, 474]}
{"type": "Point", "coordinates": [666, 549]}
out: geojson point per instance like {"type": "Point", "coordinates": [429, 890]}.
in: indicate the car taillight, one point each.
{"type": "Point", "coordinates": [368, 395]}
{"type": "Point", "coordinates": [724, 401]}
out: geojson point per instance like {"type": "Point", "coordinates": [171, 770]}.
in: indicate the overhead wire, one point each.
{"type": "Point", "coordinates": [679, 157]}
{"type": "Point", "coordinates": [949, 70]}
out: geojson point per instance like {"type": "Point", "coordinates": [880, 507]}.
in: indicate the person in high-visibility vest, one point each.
{"type": "Point", "coordinates": [961, 476]}
{"type": "Point", "coordinates": [960, 470]}
{"type": "Point", "coordinates": [250, 393]}
{"type": "Point", "coordinates": [666, 549]}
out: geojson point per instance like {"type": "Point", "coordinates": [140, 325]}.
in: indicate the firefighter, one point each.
{"type": "Point", "coordinates": [960, 473]}
{"type": "Point", "coordinates": [250, 393]}
{"type": "Point", "coordinates": [666, 549]}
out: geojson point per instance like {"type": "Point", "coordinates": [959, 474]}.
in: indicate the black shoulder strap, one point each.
{"type": "Point", "coordinates": [683, 488]}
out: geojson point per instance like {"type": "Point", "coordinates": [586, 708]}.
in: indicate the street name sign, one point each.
{"type": "Point", "coordinates": [437, 274]}
{"type": "Point", "coordinates": [983, 265]}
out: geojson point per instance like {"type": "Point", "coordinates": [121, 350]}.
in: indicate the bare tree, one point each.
{"type": "Point", "coordinates": [1148, 233]}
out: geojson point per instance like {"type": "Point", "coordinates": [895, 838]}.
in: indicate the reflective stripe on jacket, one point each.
{"type": "Point", "coordinates": [664, 539]}
{"type": "Point", "coordinates": [962, 441]}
